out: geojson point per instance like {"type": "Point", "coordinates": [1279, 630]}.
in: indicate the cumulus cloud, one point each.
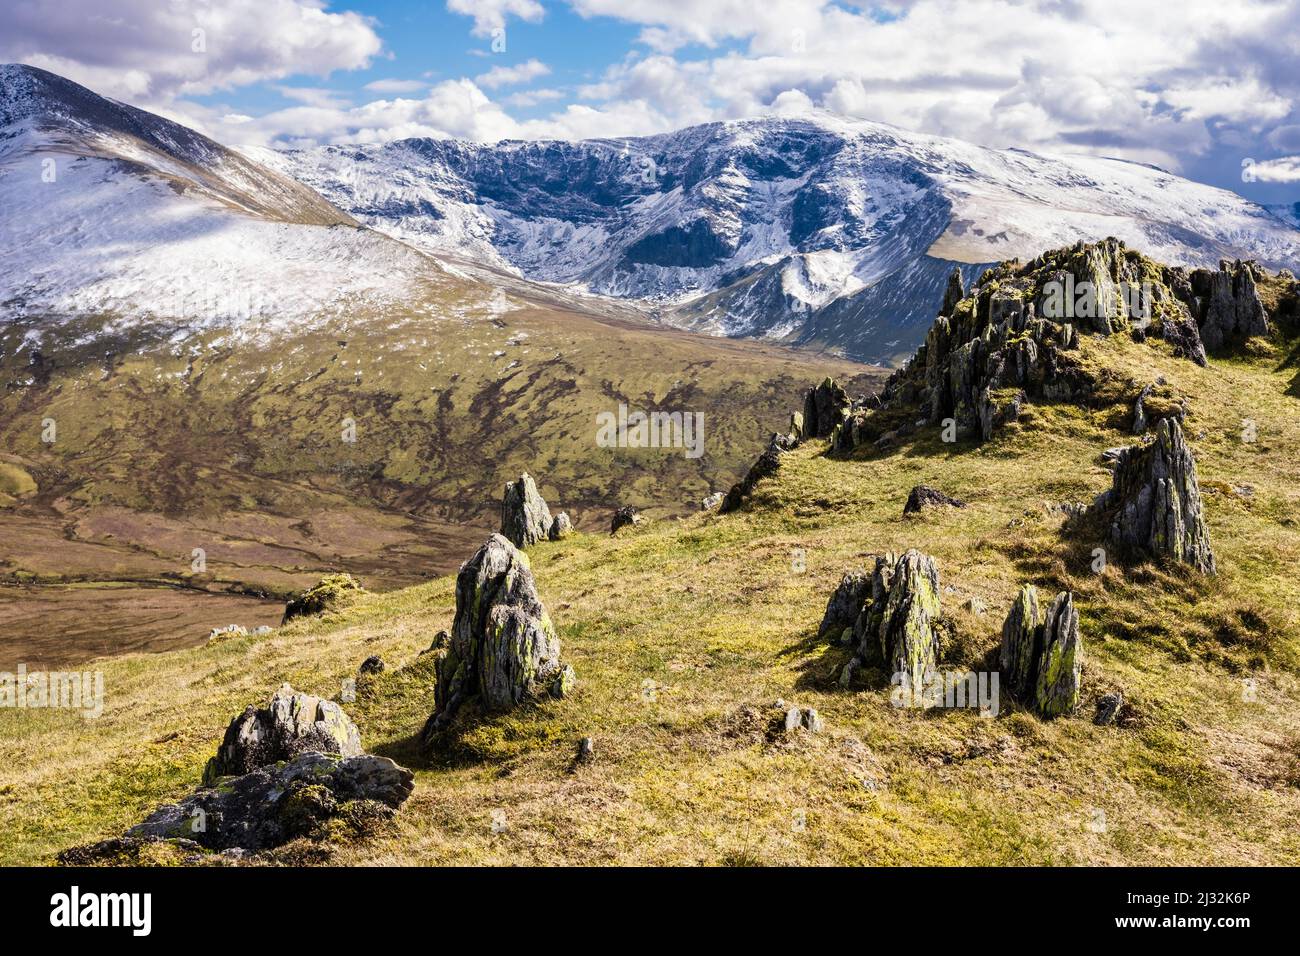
{"type": "Point", "coordinates": [146, 51]}
{"type": "Point", "coordinates": [491, 15]}
{"type": "Point", "coordinates": [396, 86]}
{"type": "Point", "coordinates": [1283, 170]}
{"type": "Point", "coordinates": [521, 73]}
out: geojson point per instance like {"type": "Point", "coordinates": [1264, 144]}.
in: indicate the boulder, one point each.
{"type": "Point", "coordinates": [525, 519]}
{"type": "Point", "coordinates": [1041, 655]}
{"type": "Point", "coordinates": [712, 501]}
{"type": "Point", "coordinates": [897, 622]}
{"type": "Point", "coordinates": [845, 604]}
{"type": "Point", "coordinates": [503, 648]}
{"type": "Point", "coordinates": [292, 723]}
{"type": "Point", "coordinates": [1232, 307]}
{"type": "Point", "coordinates": [805, 718]}
{"type": "Point", "coordinates": [923, 496]}
{"type": "Point", "coordinates": [374, 664]}
{"type": "Point", "coordinates": [1154, 503]}
{"type": "Point", "coordinates": [825, 407]}
{"type": "Point", "coordinates": [1108, 709]}
{"type": "Point", "coordinates": [331, 592]}
{"type": "Point", "coordinates": [1060, 665]}
{"type": "Point", "coordinates": [561, 527]}
{"type": "Point", "coordinates": [268, 806]}
{"type": "Point", "coordinates": [624, 517]}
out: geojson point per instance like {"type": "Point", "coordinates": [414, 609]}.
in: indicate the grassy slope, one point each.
{"type": "Point", "coordinates": [710, 610]}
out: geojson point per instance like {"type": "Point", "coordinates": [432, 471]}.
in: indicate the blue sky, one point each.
{"type": "Point", "coordinates": [1206, 89]}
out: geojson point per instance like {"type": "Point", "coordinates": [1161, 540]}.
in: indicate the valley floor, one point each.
{"type": "Point", "coordinates": [685, 633]}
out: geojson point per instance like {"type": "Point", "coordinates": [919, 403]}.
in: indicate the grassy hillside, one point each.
{"type": "Point", "coordinates": [236, 442]}
{"type": "Point", "coordinates": [684, 634]}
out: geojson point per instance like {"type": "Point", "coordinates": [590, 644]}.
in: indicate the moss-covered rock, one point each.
{"type": "Point", "coordinates": [332, 592]}
{"type": "Point", "coordinates": [1041, 655]}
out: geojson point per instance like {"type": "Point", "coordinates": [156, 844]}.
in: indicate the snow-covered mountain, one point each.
{"type": "Point", "coordinates": [110, 209]}
{"type": "Point", "coordinates": [815, 230]}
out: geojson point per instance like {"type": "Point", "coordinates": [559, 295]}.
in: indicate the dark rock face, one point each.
{"type": "Point", "coordinates": [1041, 656]}
{"type": "Point", "coordinates": [525, 519]}
{"type": "Point", "coordinates": [504, 649]}
{"type": "Point", "coordinates": [923, 496]}
{"type": "Point", "coordinates": [1232, 309]}
{"type": "Point", "coordinates": [332, 591]}
{"type": "Point", "coordinates": [271, 805]}
{"type": "Point", "coordinates": [1154, 505]}
{"type": "Point", "coordinates": [374, 664]}
{"type": "Point", "coordinates": [766, 466]}
{"type": "Point", "coordinates": [624, 517]}
{"type": "Point", "coordinates": [954, 293]}
{"type": "Point", "coordinates": [289, 725]}
{"type": "Point", "coordinates": [845, 604]}
{"type": "Point", "coordinates": [896, 625]}
{"type": "Point", "coordinates": [825, 408]}
{"type": "Point", "coordinates": [1108, 709]}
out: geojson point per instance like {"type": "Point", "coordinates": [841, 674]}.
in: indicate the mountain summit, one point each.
{"type": "Point", "coordinates": [818, 231]}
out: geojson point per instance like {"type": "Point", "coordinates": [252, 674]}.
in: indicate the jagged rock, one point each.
{"type": "Point", "coordinates": [803, 717]}
{"type": "Point", "coordinates": [897, 622]}
{"type": "Point", "coordinates": [954, 293]}
{"type": "Point", "coordinates": [1021, 636]}
{"type": "Point", "coordinates": [561, 527]}
{"type": "Point", "coordinates": [923, 496]}
{"type": "Point", "coordinates": [825, 407]}
{"type": "Point", "coordinates": [1154, 504]}
{"type": "Point", "coordinates": [292, 723]}
{"type": "Point", "coordinates": [797, 426]}
{"type": "Point", "coordinates": [268, 806]}
{"type": "Point", "coordinates": [1060, 666]}
{"type": "Point", "coordinates": [374, 664]}
{"type": "Point", "coordinates": [996, 409]}
{"type": "Point", "coordinates": [766, 466]}
{"type": "Point", "coordinates": [504, 649]}
{"type": "Point", "coordinates": [525, 519]}
{"type": "Point", "coordinates": [329, 593]}
{"type": "Point", "coordinates": [1041, 654]}
{"type": "Point", "coordinates": [1232, 308]}
{"type": "Point", "coordinates": [845, 603]}
{"type": "Point", "coordinates": [712, 501]}
{"type": "Point", "coordinates": [441, 641]}
{"type": "Point", "coordinates": [1108, 708]}
{"type": "Point", "coordinates": [623, 517]}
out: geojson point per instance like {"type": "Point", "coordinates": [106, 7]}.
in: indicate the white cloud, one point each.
{"type": "Point", "coordinates": [396, 86]}
{"type": "Point", "coordinates": [525, 72]}
{"type": "Point", "coordinates": [149, 52]}
{"type": "Point", "coordinates": [491, 15]}
{"type": "Point", "coordinates": [1283, 170]}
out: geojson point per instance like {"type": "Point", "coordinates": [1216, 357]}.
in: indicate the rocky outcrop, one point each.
{"type": "Point", "coordinates": [332, 592]}
{"type": "Point", "coordinates": [766, 466]}
{"type": "Point", "coordinates": [954, 293]}
{"type": "Point", "coordinates": [561, 527]}
{"type": "Point", "coordinates": [1041, 653]}
{"type": "Point", "coordinates": [292, 723]}
{"type": "Point", "coordinates": [845, 604]}
{"type": "Point", "coordinates": [1231, 309]}
{"type": "Point", "coordinates": [824, 409]}
{"type": "Point", "coordinates": [897, 623]}
{"type": "Point", "coordinates": [1154, 504]}
{"type": "Point", "coordinates": [923, 496]}
{"type": "Point", "coordinates": [712, 501]}
{"type": "Point", "coordinates": [503, 649]}
{"type": "Point", "coordinates": [624, 517]}
{"type": "Point", "coordinates": [268, 806]}
{"type": "Point", "coordinates": [525, 518]}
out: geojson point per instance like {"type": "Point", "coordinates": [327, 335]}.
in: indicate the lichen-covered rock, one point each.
{"type": "Point", "coordinates": [923, 496]}
{"type": "Point", "coordinates": [1154, 504]}
{"type": "Point", "coordinates": [845, 604]}
{"type": "Point", "coordinates": [897, 622]}
{"type": "Point", "coordinates": [1022, 633]}
{"type": "Point", "coordinates": [270, 805]}
{"type": "Point", "coordinates": [292, 723]}
{"type": "Point", "coordinates": [525, 518]}
{"type": "Point", "coordinates": [1232, 309]}
{"type": "Point", "coordinates": [503, 649]}
{"type": "Point", "coordinates": [624, 517]}
{"type": "Point", "coordinates": [1060, 665]}
{"type": "Point", "coordinates": [561, 527]}
{"type": "Point", "coordinates": [332, 592]}
{"type": "Point", "coordinates": [824, 409]}
{"type": "Point", "coordinates": [1041, 655]}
